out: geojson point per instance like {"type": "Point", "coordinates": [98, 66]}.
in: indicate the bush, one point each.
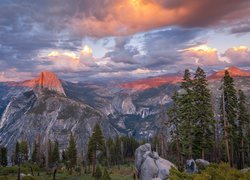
{"type": "Point", "coordinates": [106, 175]}
{"type": "Point", "coordinates": [214, 171]}
{"type": "Point", "coordinates": [98, 173]}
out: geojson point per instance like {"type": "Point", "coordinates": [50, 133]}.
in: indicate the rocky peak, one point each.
{"type": "Point", "coordinates": [233, 71]}
{"type": "Point", "coordinates": [46, 80]}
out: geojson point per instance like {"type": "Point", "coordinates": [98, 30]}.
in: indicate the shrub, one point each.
{"type": "Point", "coordinates": [106, 175]}
{"type": "Point", "coordinates": [98, 173]}
{"type": "Point", "coordinates": [220, 171]}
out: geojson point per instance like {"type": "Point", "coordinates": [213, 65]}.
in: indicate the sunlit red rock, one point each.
{"type": "Point", "coordinates": [233, 71]}
{"type": "Point", "coordinates": [46, 80]}
{"type": "Point", "coordinates": [153, 82]}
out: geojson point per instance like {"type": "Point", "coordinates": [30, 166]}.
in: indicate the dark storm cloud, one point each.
{"type": "Point", "coordinates": [28, 27]}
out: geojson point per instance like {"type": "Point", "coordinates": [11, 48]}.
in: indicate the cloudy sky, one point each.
{"type": "Point", "coordinates": [90, 39]}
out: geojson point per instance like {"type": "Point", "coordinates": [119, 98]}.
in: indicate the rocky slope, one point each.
{"type": "Point", "coordinates": [41, 107]}
{"type": "Point", "coordinates": [47, 113]}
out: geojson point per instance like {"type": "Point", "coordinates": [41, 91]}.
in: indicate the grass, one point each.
{"type": "Point", "coordinates": [125, 172]}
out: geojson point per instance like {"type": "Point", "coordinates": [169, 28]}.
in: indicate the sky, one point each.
{"type": "Point", "coordinates": [93, 39]}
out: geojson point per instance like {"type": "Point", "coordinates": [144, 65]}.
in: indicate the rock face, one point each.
{"type": "Point", "coordinates": [49, 115]}
{"type": "Point", "coordinates": [149, 165]}
{"type": "Point", "coordinates": [47, 80]}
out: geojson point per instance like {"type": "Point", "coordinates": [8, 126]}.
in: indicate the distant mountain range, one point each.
{"type": "Point", "coordinates": [52, 108]}
{"type": "Point", "coordinates": [153, 82]}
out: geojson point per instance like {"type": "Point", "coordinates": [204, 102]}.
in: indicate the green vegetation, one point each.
{"type": "Point", "coordinates": [221, 171]}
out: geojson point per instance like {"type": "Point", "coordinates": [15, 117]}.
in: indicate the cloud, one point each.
{"type": "Point", "coordinates": [238, 55]}
{"type": "Point", "coordinates": [69, 61]}
{"type": "Point", "coordinates": [14, 75]}
{"type": "Point", "coordinates": [201, 55]}
{"type": "Point", "coordinates": [145, 15]}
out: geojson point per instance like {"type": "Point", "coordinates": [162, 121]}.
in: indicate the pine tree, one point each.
{"type": "Point", "coordinates": [229, 110]}
{"type": "Point", "coordinates": [117, 150]}
{"type": "Point", "coordinates": [35, 152]}
{"type": "Point", "coordinates": [106, 175]}
{"type": "Point", "coordinates": [187, 111]}
{"type": "Point", "coordinates": [55, 154]}
{"type": "Point", "coordinates": [72, 152]}
{"type": "Point", "coordinates": [110, 150]}
{"type": "Point", "coordinates": [50, 151]}
{"type": "Point", "coordinates": [96, 143]}
{"type": "Point", "coordinates": [173, 124]}
{"type": "Point", "coordinates": [244, 120]}
{"type": "Point", "coordinates": [24, 151]}
{"type": "Point", "coordinates": [204, 118]}
{"type": "Point", "coordinates": [3, 156]}
{"type": "Point", "coordinates": [17, 153]}
{"type": "Point", "coordinates": [98, 173]}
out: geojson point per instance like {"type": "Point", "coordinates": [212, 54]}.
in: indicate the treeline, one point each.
{"type": "Point", "coordinates": [100, 152]}
{"type": "Point", "coordinates": [198, 131]}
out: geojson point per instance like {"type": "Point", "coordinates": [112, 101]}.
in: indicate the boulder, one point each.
{"type": "Point", "coordinates": [191, 166]}
{"type": "Point", "coordinates": [201, 164]}
{"type": "Point", "coordinates": [139, 152]}
{"type": "Point", "coordinates": [149, 165]}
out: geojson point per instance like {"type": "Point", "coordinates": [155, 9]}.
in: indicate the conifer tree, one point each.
{"type": "Point", "coordinates": [24, 151]}
{"type": "Point", "coordinates": [55, 155]}
{"type": "Point", "coordinates": [173, 124]}
{"type": "Point", "coordinates": [110, 150]}
{"type": "Point", "coordinates": [72, 152]}
{"type": "Point", "coordinates": [35, 152]}
{"type": "Point", "coordinates": [96, 143]}
{"type": "Point", "coordinates": [187, 114]}
{"type": "Point", "coordinates": [244, 120]}
{"type": "Point", "coordinates": [3, 156]}
{"type": "Point", "coordinates": [204, 118]}
{"type": "Point", "coordinates": [98, 173]}
{"type": "Point", "coordinates": [106, 175]}
{"type": "Point", "coordinates": [50, 153]}
{"type": "Point", "coordinates": [229, 109]}
{"type": "Point", "coordinates": [17, 153]}
{"type": "Point", "coordinates": [117, 150]}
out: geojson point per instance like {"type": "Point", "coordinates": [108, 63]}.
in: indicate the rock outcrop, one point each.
{"type": "Point", "coordinates": [49, 116]}
{"type": "Point", "coordinates": [149, 165]}
{"type": "Point", "coordinates": [193, 166]}
{"type": "Point", "coordinates": [46, 80]}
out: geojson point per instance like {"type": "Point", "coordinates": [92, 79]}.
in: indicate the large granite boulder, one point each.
{"type": "Point", "coordinates": [149, 165]}
{"type": "Point", "coordinates": [201, 164]}
{"type": "Point", "coordinates": [193, 166]}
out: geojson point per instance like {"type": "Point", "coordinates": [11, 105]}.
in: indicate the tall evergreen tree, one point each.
{"type": "Point", "coordinates": [17, 152]}
{"type": "Point", "coordinates": [117, 150]}
{"type": "Point", "coordinates": [72, 152]}
{"type": "Point", "coordinates": [229, 109]}
{"type": "Point", "coordinates": [173, 124]}
{"type": "Point", "coordinates": [50, 153]}
{"type": "Point", "coordinates": [3, 156]}
{"type": "Point", "coordinates": [244, 120]}
{"type": "Point", "coordinates": [24, 151]}
{"type": "Point", "coordinates": [187, 114]}
{"type": "Point", "coordinates": [56, 154]}
{"type": "Point", "coordinates": [35, 152]}
{"type": "Point", "coordinates": [96, 143]}
{"type": "Point", "coordinates": [204, 118]}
